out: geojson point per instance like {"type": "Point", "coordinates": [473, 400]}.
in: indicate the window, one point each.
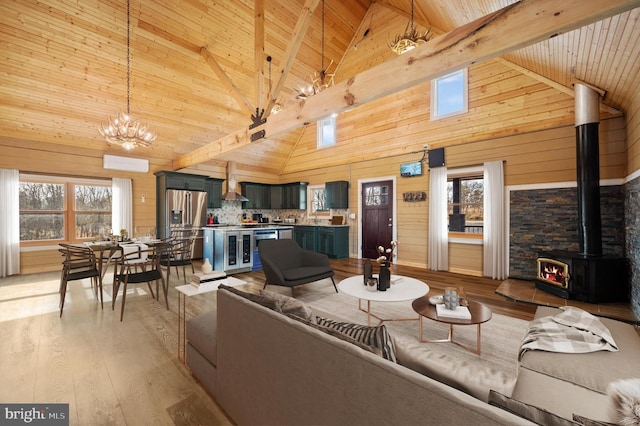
{"type": "Point", "coordinates": [63, 210]}
{"type": "Point", "coordinates": [326, 132]}
{"type": "Point", "coordinates": [465, 201]}
{"type": "Point", "coordinates": [377, 196]}
{"type": "Point", "coordinates": [317, 207]}
{"type": "Point", "coordinates": [449, 95]}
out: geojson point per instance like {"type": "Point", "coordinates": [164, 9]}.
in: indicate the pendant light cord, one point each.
{"type": "Point", "coordinates": [412, 16]}
{"type": "Point", "coordinates": [322, 63]}
{"type": "Point", "coordinates": [128, 57]}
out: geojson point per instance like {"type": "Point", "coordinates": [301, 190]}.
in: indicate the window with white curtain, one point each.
{"type": "Point", "coordinates": [465, 202]}
{"type": "Point", "coordinates": [63, 209]}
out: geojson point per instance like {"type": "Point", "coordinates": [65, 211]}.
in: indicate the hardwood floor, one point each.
{"type": "Point", "coordinates": [113, 372]}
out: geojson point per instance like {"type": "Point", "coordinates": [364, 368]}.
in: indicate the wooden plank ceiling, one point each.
{"type": "Point", "coordinates": [199, 67]}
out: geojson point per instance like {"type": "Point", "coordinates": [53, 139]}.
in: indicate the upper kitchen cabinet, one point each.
{"type": "Point", "coordinates": [259, 195]}
{"type": "Point", "coordinates": [276, 197]}
{"type": "Point", "coordinates": [337, 194]}
{"type": "Point", "coordinates": [176, 180]}
{"type": "Point", "coordinates": [294, 195]}
{"type": "Point", "coordinates": [213, 187]}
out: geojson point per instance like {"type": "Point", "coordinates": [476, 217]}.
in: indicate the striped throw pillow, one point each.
{"type": "Point", "coordinates": [377, 336]}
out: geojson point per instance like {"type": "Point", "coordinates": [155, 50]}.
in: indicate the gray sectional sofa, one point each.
{"type": "Point", "coordinates": [267, 367]}
{"type": "Point", "coordinates": [270, 368]}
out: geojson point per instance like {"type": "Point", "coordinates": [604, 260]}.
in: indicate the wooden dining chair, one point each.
{"type": "Point", "coordinates": [179, 254]}
{"type": "Point", "coordinates": [79, 262]}
{"type": "Point", "coordinates": [138, 264]}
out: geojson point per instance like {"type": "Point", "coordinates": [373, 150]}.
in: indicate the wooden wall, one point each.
{"type": "Point", "coordinates": [81, 162]}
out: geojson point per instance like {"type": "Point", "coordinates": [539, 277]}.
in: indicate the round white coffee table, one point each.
{"type": "Point", "coordinates": [402, 289]}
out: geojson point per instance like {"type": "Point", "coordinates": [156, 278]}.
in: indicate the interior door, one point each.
{"type": "Point", "coordinates": [377, 217]}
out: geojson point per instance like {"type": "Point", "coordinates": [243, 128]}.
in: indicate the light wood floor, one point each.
{"type": "Point", "coordinates": [113, 372]}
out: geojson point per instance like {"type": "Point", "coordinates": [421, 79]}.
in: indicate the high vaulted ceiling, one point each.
{"type": "Point", "coordinates": [199, 67]}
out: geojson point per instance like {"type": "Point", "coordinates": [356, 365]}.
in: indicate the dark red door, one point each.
{"type": "Point", "coordinates": [377, 217]}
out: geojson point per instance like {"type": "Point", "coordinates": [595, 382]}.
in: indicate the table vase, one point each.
{"type": "Point", "coordinates": [384, 278]}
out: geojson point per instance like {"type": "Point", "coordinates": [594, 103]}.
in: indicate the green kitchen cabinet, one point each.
{"type": "Point", "coordinates": [306, 236]}
{"type": "Point", "coordinates": [213, 187]}
{"type": "Point", "coordinates": [294, 195]}
{"type": "Point", "coordinates": [337, 194]}
{"type": "Point", "coordinates": [333, 241]}
{"type": "Point", "coordinates": [259, 195]}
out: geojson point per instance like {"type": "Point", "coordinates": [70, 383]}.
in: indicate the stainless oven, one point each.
{"type": "Point", "coordinates": [258, 236]}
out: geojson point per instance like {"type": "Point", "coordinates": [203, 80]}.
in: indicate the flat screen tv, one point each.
{"type": "Point", "coordinates": [411, 169]}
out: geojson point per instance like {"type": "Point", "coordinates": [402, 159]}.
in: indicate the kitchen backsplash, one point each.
{"type": "Point", "coordinates": [232, 213]}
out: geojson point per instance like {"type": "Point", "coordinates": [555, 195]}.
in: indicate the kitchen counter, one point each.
{"type": "Point", "coordinates": [247, 226]}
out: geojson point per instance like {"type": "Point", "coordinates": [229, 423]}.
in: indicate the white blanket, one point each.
{"type": "Point", "coordinates": [571, 331]}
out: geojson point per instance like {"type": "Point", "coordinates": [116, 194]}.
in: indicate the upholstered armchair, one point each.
{"type": "Point", "coordinates": [285, 263]}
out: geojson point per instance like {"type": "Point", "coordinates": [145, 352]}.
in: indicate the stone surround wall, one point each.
{"type": "Point", "coordinates": [547, 219]}
{"type": "Point", "coordinates": [632, 227]}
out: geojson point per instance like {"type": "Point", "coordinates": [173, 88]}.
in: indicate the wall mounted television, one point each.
{"type": "Point", "coordinates": [411, 169]}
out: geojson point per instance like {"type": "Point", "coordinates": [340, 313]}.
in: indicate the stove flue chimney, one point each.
{"type": "Point", "coordinates": [587, 105]}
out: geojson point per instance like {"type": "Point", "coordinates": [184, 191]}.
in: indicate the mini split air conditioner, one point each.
{"type": "Point", "coordinates": [126, 164]}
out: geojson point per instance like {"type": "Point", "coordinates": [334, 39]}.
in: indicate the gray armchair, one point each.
{"type": "Point", "coordinates": [285, 263]}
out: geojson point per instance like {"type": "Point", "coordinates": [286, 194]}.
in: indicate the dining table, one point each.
{"type": "Point", "coordinates": [110, 250]}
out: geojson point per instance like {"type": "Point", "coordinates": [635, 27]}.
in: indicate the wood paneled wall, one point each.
{"type": "Point", "coordinates": [82, 162]}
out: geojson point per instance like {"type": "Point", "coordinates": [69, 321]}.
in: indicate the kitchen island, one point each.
{"type": "Point", "coordinates": [234, 248]}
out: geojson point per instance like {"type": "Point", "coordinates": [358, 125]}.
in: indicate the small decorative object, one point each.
{"type": "Point", "coordinates": [372, 284]}
{"type": "Point", "coordinates": [384, 260]}
{"type": "Point", "coordinates": [462, 297]}
{"type": "Point", "coordinates": [123, 234]}
{"type": "Point", "coordinates": [451, 298]}
{"type": "Point", "coordinates": [436, 300]}
{"type": "Point", "coordinates": [368, 271]}
{"type": "Point", "coordinates": [384, 278]}
{"type": "Point", "coordinates": [206, 266]}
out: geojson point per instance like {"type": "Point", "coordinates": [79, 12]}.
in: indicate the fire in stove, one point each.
{"type": "Point", "coordinates": [553, 272]}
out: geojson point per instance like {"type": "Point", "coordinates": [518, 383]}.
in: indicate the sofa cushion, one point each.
{"type": "Point", "coordinates": [529, 412]}
{"type": "Point", "coordinates": [377, 336]}
{"type": "Point", "coordinates": [288, 304]}
{"type": "Point", "coordinates": [337, 334]}
{"type": "Point", "coordinates": [202, 333]}
{"type": "Point", "coordinates": [261, 300]}
{"type": "Point", "coordinates": [593, 370]}
{"type": "Point", "coordinates": [472, 377]}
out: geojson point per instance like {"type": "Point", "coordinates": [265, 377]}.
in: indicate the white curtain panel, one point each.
{"type": "Point", "coordinates": [494, 235]}
{"type": "Point", "coordinates": [9, 222]}
{"type": "Point", "coordinates": [122, 210]}
{"type": "Point", "coordinates": [438, 233]}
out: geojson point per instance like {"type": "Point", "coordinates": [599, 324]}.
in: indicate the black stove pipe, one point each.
{"type": "Point", "coordinates": [587, 105]}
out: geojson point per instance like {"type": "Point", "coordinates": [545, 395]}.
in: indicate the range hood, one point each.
{"type": "Point", "coordinates": [232, 193]}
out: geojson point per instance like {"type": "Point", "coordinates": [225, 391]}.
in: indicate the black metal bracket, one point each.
{"type": "Point", "coordinates": [257, 118]}
{"type": "Point", "coordinates": [257, 135]}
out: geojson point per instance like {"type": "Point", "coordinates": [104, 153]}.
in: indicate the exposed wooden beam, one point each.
{"type": "Point", "coordinates": [508, 29]}
{"type": "Point", "coordinates": [259, 52]}
{"type": "Point", "coordinates": [304, 20]}
{"type": "Point", "coordinates": [226, 81]}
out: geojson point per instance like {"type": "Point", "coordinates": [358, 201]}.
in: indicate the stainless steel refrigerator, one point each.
{"type": "Point", "coordinates": [187, 210]}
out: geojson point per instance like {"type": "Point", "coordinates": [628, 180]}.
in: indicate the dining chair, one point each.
{"type": "Point", "coordinates": [138, 264]}
{"type": "Point", "coordinates": [179, 254]}
{"type": "Point", "coordinates": [79, 262]}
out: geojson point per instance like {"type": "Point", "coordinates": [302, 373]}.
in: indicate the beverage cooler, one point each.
{"type": "Point", "coordinates": [233, 251]}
